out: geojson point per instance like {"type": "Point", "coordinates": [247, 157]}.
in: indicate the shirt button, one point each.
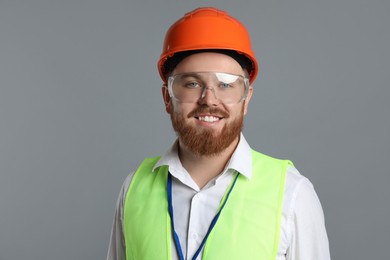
{"type": "Point", "coordinates": [194, 236]}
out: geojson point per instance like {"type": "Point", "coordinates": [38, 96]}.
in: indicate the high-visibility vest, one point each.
{"type": "Point", "coordinates": [248, 227]}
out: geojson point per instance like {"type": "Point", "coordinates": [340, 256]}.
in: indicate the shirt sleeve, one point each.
{"type": "Point", "coordinates": [117, 245]}
{"type": "Point", "coordinates": [308, 237]}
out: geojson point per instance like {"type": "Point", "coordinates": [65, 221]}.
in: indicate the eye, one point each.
{"type": "Point", "coordinates": [223, 85]}
{"type": "Point", "coordinates": [192, 84]}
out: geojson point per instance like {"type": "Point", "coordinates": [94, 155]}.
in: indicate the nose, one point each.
{"type": "Point", "coordinates": [208, 97]}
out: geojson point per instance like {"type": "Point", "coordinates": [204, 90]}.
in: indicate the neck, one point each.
{"type": "Point", "coordinates": [204, 168]}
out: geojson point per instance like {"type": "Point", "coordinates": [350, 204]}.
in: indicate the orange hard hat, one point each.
{"type": "Point", "coordinates": [208, 28]}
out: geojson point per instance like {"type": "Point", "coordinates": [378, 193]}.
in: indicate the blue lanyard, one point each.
{"type": "Point", "coordinates": [213, 222]}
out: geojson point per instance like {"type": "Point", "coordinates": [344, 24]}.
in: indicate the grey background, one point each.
{"type": "Point", "coordinates": [80, 107]}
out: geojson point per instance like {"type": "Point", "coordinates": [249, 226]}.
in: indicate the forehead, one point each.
{"type": "Point", "coordinates": [209, 61]}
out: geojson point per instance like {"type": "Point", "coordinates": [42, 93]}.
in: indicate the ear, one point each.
{"type": "Point", "coordinates": [166, 98]}
{"type": "Point", "coordinates": [247, 99]}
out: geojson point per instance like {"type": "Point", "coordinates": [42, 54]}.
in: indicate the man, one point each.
{"type": "Point", "coordinates": [210, 196]}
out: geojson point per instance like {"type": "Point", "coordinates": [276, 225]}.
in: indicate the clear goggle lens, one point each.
{"type": "Point", "coordinates": [190, 87]}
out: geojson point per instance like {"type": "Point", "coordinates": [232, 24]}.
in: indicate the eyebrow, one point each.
{"type": "Point", "coordinates": [191, 74]}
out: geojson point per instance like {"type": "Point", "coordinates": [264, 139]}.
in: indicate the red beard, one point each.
{"type": "Point", "coordinates": [204, 142]}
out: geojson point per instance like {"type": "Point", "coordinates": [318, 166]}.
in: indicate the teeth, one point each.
{"type": "Point", "coordinates": [208, 118]}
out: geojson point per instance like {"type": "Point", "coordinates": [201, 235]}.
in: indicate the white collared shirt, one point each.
{"type": "Point", "coordinates": [303, 234]}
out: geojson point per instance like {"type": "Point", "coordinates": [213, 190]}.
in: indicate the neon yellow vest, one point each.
{"type": "Point", "coordinates": [248, 227]}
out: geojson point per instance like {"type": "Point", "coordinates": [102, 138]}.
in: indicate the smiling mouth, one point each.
{"type": "Point", "coordinates": [208, 115]}
{"type": "Point", "coordinates": [209, 119]}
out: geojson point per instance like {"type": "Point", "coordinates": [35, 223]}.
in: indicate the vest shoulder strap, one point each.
{"type": "Point", "coordinates": [145, 216]}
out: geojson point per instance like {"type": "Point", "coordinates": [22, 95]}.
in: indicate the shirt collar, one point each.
{"type": "Point", "coordinates": [241, 160]}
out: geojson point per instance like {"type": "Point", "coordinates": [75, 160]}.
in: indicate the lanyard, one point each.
{"type": "Point", "coordinates": [213, 222]}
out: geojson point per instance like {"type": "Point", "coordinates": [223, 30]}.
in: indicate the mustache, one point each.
{"type": "Point", "coordinates": [208, 110]}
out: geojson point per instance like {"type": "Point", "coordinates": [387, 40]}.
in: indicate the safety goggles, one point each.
{"type": "Point", "coordinates": [192, 86]}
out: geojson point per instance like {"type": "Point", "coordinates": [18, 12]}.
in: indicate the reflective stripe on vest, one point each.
{"type": "Point", "coordinates": [248, 227]}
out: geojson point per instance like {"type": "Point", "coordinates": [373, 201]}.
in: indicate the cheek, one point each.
{"type": "Point", "coordinates": [176, 108]}
{"type": "Point", "coordinates": [236, 110]}
{"type": "Point", "coordinates": [180, 108]}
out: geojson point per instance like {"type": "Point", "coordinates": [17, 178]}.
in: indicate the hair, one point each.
{"type": "Point", "coordinates": [173, 61]}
